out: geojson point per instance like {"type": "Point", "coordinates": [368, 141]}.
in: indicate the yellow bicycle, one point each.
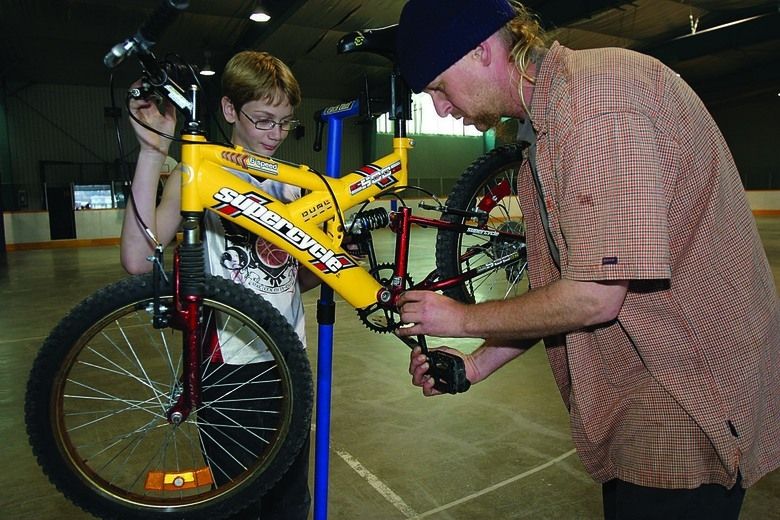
{"type": "Point", "coordinates": [119, 400]}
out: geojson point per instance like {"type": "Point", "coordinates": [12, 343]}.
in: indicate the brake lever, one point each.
{"type": "Point", "coordinates": [447, 370]}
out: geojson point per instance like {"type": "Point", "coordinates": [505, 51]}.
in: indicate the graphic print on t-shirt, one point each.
{"type": "Point", "coordinates": [263, 267]}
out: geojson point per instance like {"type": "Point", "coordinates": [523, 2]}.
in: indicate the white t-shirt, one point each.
{"type": "Point", "coordinates": [261, 267]}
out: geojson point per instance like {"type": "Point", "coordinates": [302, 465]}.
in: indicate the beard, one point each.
{"type": "Point", "coordinates": [486, 121]}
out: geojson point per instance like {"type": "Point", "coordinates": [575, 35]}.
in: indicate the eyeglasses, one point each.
{"type": "Point", "coordinates": [270, 124]}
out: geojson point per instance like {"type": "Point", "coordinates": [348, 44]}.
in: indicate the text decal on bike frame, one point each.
{"type": "Point", "coordinates": [252, 206]}
{"type": "Point", "coordinates": [374, 175]}
{"type": "Point", "coordinates": [252, 163]}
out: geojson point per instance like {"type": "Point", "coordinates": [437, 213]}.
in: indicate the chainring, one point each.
{"type": "Point", "coordinates": [374, 317]}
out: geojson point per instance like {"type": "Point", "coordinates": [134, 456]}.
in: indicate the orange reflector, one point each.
{"type": "Point", "coordinates": [189, 479]}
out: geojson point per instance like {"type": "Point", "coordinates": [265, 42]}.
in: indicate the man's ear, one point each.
{"type": "Point", "coordinates": [482, 53]}
{"type": "Point", "coordinates": [228, 110]}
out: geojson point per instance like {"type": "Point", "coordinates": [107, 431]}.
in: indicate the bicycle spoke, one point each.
{"type": "Point", "coordinates": [152, 385]}
{"type": "Point", "coordinates": [108, 396]}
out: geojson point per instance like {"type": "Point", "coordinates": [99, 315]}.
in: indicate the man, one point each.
{"type": "Point", "coordinates": [670, 368]}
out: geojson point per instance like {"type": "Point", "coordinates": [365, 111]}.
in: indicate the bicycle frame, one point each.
{"type": "Point", "coordinates": [310, 228]}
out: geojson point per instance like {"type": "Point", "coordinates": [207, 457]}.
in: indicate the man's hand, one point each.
{"type": "Point", "coordinates": [431, 313]}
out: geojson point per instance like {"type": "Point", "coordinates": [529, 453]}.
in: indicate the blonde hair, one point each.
{"type": "Point", "coordinates": [525, 37]}
{"type": "Point", "coordinates": [255, 75]}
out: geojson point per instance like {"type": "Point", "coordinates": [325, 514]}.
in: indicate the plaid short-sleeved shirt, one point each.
{"type": "Point", "coordinates": [683, 388]}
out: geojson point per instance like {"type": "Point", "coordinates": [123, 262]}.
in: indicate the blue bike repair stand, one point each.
{"type": "Point", "coordinates": [326, 318]}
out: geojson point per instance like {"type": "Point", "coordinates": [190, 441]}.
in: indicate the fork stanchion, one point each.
{"type": "Point", "coordinates": [326, 318]}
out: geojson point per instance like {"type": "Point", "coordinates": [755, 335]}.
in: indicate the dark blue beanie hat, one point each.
{"type": "Point", "coordinates": [434, 34]}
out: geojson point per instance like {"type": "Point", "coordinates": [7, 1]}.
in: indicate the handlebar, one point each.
{"type": "Point", "coordinates": [156, 75]}
{"type": "Point", "coordinates": [148, 34]}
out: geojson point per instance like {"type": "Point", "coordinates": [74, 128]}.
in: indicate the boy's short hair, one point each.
{"type": "Point", "coordinates": [255, 75]}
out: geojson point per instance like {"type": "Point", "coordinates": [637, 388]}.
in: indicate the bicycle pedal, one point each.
{"type": "Point", "coordinates": [448, 372]}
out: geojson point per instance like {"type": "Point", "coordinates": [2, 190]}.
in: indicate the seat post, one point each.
{"type": "Point", "coordinates": [400, 102]}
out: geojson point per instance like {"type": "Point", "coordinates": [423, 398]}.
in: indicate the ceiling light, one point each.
{"type": "Point", "coordinates": [260, 14]}
{"type": "Point", "coordinates": [206, 69]}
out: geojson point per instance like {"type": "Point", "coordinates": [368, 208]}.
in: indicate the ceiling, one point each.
{"type": "Point", "coordinates": [734, 52]}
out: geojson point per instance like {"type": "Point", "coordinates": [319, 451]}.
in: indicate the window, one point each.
{"type": "Point", "coordinates": [426, 121]}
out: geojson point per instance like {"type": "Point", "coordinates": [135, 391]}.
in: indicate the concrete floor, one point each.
{"type": "Point", "coordinates": [500, 451]}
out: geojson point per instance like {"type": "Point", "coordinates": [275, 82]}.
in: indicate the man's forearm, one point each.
{"type": "Point", "coordinates": [557, 308]}
{"type": "Point", "coordinates": [493, 354]}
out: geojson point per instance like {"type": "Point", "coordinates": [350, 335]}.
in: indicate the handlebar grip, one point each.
{"type": "Point", "coordinates": [118, 53]}
{"type": "Point", "coordinates": [161, 18]}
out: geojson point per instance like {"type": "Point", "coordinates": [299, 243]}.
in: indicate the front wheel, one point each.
{"type": "Point", "coordinates": [100, 394]}
{"type": "Point", "coordinates": [498, 261]}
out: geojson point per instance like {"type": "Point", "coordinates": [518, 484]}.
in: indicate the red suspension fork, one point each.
{"type": "Point", "coordinates": [187, 318]}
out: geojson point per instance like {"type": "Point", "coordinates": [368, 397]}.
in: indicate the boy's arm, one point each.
{"type": "Point", "coordinates": [307, 280]}
{"type": "Point", "coordinates": [163, 220]}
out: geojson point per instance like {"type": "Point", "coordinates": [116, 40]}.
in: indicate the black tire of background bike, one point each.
{"type": "Point", "coordinates": [463, 196]}
{"type": "Point", "coordinates": [41, 433]}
